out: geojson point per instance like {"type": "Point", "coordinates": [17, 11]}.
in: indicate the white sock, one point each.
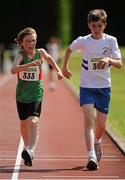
{"type": "Point", "coordinates": [91, 153]}
{"type": "Point", "coordinates": [98, 141]}
{"type": "Point", "coordinates": [26, 147]}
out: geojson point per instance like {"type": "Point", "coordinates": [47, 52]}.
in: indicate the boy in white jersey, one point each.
{"type": "Point", "coordinates": [100, 52]}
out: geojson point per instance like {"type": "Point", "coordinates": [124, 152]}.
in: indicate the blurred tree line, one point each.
{"type": "Point", "coordinates": [65, 19]}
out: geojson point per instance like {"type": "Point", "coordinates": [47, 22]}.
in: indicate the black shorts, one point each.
{"type": "Point", "coordinates": [28, 109]}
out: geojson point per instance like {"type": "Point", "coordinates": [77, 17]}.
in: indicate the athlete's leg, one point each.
{"type": "Point", "coordinates": [89, 125]}
{"type": "Point", "coordinates": [100, 125]}
{"type": "Point", "coordinates": [99, 130]}
{"type": "Point", "coordinates": [34, 132]}
{"type": "Point", "coordinates": [24, 127]}
{"type": "Point", "coordinates": [30, 134]}
{"type": "Point", "coordinates": [102, 106]}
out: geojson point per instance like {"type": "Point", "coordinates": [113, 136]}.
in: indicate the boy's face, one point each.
{"type": "Point", "coordinates": [29, 42]}
{"type": "Point", "coordinates": [97, 28]}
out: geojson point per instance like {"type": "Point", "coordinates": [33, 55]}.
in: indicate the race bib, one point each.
{"type": "Point", "coordinates": [31, 74]}
{"type": "Point", "coordinates": [92, 66]}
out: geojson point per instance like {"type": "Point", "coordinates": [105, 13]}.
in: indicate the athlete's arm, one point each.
{"type": "Point", "coordinates": [18, 67]}
{"type": "Point", "coordinates": [66, 71]}
{"type": "Point", "coordinates": [51, 61]}
{"type": "Point", "coordinates": [114, 62]}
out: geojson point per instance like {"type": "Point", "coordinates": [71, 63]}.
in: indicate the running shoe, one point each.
{"type": "Point", "coordinates": [92, 164]}
{"type": "Point", "coordinates": [27, 156]}
{"type": "Point", "coordinates": [98, 151]}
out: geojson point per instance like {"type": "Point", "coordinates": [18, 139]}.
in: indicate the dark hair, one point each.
{"type": "Point", "coordinates": [96, 15]}
{"type": "Point", "coordinates": [23, 33]}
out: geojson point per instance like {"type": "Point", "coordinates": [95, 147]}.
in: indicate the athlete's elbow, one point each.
{"type": "Point", "coordinates": [12, 71]}
{"type": "Point", "coordinates": [120, 64]}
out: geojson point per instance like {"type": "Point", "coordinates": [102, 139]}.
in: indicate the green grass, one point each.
{"type": "Point", "coordinates": [117, 108]}
{"type": "Point", "coordinates": [116, 116]}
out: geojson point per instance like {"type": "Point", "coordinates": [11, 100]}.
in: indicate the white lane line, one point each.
{"type": "Point", "coordinates": [4, 79]}
{"type": "Point", "coordinates": [74, 157]}
{"type": "Point", "coordinates": [69, 160]}
{"type": "Point", "coordinates": [79, 177]}
{"type": "Point", "coordinates": [61, 158]}
{"type": "Point", "coordinates": [74, 178]}
{"type": "Point", "coordinates": [7, 155]}
{"type": "Point", "coordinates": [18, 161]}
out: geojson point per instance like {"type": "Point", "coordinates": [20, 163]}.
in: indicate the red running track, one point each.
{"type": "Point", "coordinates": [61, 151]}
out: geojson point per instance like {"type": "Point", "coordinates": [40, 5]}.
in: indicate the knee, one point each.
{"type": "Point", "coordinates": [34, 121]}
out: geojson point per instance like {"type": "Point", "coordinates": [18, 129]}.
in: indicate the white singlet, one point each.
{"type": "Point", "coordinates": [92, 51]}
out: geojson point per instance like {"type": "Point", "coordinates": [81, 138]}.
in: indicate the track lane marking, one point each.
{"type": "Point", "coordinates": [79, 177]}
{"type": "Point", "coordinates": [18, 161]}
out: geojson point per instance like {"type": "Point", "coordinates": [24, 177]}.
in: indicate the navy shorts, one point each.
{"type": "Point", "coordinates": [100, 97]}
{"type": "Point", "coordinates": [26, 110]}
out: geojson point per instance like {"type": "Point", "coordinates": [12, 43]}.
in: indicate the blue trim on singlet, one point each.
{"type": "Point", "coordinates": [86, 68]}
{"type": "Point", "coordinates": [85, 62]}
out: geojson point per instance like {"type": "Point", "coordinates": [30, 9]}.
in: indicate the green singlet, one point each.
{"type": "Point", "coordinates": [30, 86]}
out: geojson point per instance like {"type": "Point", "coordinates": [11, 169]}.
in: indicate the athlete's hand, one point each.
{"type": "Point", "coordinates": [102, 63]}
{"type": "Point", "coordinates": [67, 73]}
{"type": "Point", "coordinates": [37, 62]}
{"type": "Point", "coordinates": [60, 75]}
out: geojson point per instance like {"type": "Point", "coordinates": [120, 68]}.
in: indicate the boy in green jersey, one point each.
{"type": "Point", "coordinates": [29, 91]}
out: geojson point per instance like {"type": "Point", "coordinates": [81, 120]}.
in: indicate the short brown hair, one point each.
{"type": "Point", "coordinates": [23, 33]}
{"type": "Point", "coordinates": [96, 15]}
